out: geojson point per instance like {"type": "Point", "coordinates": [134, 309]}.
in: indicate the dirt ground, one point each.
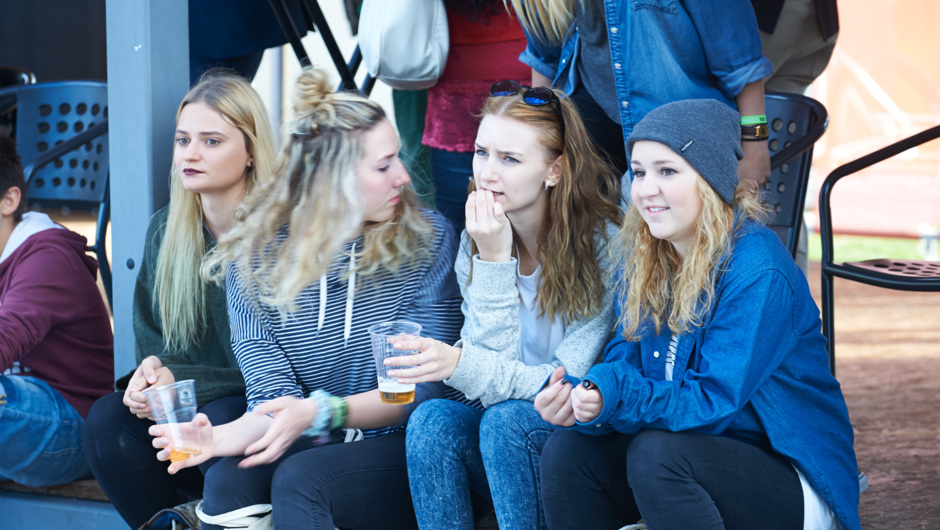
{"type": "Point", "coordinates": [888, 362]}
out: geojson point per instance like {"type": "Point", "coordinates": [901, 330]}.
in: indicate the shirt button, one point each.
{"type": "Point", "coordinates": [617, 66]}
{"type": "Point", "coordinates": [656, 354]}
{"type": "Point", "coordinates": [613, 29]}
{"type": "Point", "coordinates": [598, 426]}
{"type": "Point", "coordinates": [625, 104]}
{"type": "Point", "coordinates": [563, 61]}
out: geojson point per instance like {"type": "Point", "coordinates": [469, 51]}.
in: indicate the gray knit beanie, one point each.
{"type": "Point", "coordinates": [705, 132]}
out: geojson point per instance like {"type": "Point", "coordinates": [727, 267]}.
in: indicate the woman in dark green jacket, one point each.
{"type": "Point", "coordinates": [223, 146]}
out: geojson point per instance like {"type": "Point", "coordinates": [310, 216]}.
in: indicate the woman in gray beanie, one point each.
{"type": "Point", "coordinates": [714, 407]}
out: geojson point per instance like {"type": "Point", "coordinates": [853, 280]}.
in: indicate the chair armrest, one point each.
{"type": "Point", "coordinates": [825, 213]}
{"type": "Point", "coordinates": [71, 144]}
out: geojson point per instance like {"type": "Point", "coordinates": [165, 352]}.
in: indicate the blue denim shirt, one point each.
{"type": "Point", "coordinates": [663, 51]}
{"type": "Point", "coordinates": [756, 370]}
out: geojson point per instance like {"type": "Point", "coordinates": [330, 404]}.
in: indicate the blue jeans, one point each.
{"type": "Point", "coordinates": [452, 172]}
{"type": "Point", "coordinates": [40, 433]}
{"type": "Point", "coordinates": [456, 452]}
{"type": "Point", "coordinates": [674, 479]}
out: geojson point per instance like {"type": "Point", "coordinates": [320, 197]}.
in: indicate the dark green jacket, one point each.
{"type": "Point", "coordinates": [210, 360]}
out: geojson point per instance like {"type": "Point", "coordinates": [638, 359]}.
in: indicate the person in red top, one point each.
{"type": "Point", "coordinates": [485, 43]}
{"type": "Point", "coordinates": [56, 344]}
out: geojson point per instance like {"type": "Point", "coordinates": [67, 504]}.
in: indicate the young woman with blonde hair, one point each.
{"type": "Point", "coordinates": [331, 246]}
{"type": "Point", "coordinates": [534, 270]}
{"type": "Point", "coordinates": [714, 407]}
{"type": "Point", "coordinates": [223, 149]}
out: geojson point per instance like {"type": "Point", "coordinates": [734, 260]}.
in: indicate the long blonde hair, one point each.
{"type": "Point", "coordinates": [658, 286]}
{"type": "Point", "coordinates": [179, 292]}
{"type": "Point", "coordinates": [580, 205]}
{"type": "Point", "coordinates": [314, 200]}
{"type": "Point", "coordinates": [547, 20]}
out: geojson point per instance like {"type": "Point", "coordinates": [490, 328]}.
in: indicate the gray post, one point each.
{"type": "Point", "coordinates": [148, 75]}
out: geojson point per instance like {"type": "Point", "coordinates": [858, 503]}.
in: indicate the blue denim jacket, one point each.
{"type": "Point", "coordinates": [756, 370]}
{"type": "Point", "coordinates": [663, 51]}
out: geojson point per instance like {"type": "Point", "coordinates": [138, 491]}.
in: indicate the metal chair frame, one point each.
{"type": "Point", "coordinates": [290, 27]}
{"type": "Point", "coordinates": [864, 272]}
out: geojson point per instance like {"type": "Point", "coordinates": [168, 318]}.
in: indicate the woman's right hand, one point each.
{"type": "Point", "coordinates": [200, 427]}
{"type": "Point", "coordinates": [150, 374]}
{"type": "Point", "coordinates": [489, 227]}
{"type": "Point", "coordinates": [554, 401]}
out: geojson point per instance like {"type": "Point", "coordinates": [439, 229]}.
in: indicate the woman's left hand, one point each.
{"type": "Point", "coordinates": [291, 417]}
{"type": "Point", "coordinates": [553, 402]}
{"type": "Point", "coordinates": [435, 362]}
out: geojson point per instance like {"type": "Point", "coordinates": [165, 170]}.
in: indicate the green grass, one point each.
{"type": "Point", "coordinates": [859, 248]}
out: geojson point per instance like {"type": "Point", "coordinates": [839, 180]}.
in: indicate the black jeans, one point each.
{"type": "Point", "coordinates": [125, 463]}
{"type": "Point", "coordinates": [673, 480]}
{"type": "Point", "coordinates": [359, 485]}
{"type": "Point", "coordinates": [605, 132]}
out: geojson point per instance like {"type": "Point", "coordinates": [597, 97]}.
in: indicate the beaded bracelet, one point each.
{"type": "Point", "coordinates": [324, 418]}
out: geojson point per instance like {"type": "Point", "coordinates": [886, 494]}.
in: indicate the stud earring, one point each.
{"type": "Point", "coordinates": [546, 185]}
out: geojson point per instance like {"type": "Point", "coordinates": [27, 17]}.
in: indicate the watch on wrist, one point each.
{"type": "Point", "coordinates": [754, 133]}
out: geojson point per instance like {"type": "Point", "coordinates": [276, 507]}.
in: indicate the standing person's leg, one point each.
{"type": "Point", "coordinates": [360, 484]}
{"type": "Point", "coordinates": [693, 480]}
{"type": "Point", "coordinates": [452, 172]}
{"type": "Point", "coordinates": [410, 110]}
{"type": "Point", "coordinates": [512, 435]}
{"type": "Point", "coordinates": [123, 460]}
{"type": "Point", "coordinates": [584, 481]}
{"type": "Point", "coordinates": [606, 134]}
{"type": "Point", "coordinates": [445, 469]}
{"type": "Point", "coordinates": [41, 434]}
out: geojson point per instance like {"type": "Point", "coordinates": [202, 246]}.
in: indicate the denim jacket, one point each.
{"type": "Point", "coordinates": [756, 370]}
{"type": "Point", "coordinates": [663, 51]}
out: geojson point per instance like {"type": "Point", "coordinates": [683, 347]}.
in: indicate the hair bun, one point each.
{"type": "Point", "coordinates": [312, 92]}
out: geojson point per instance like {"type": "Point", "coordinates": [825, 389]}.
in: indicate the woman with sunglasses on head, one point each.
{"type": "Point", "coordinates": [334, 244]}
{"type": "Point", "coordinates": [715, 407]}
{"type": "Point", "coordinates": [223, 148]}
{"type": "Point", "coordinates": [533, 269]}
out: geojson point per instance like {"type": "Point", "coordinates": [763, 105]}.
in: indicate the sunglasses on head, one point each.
{"type": "Point", "coordinates": [535, 97]}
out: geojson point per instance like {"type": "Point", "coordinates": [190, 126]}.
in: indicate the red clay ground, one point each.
{"type": "Point", "coordinates": [888, 361]}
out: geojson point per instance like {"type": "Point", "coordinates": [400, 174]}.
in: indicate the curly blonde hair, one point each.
{"type": "Point", "coordinates": [293, 227]}
{"type": "Point", "coordinates": [658, 286]}
{"type": "Point", "coordinates": [580, 206]}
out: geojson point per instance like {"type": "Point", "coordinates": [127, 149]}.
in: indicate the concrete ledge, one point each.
{"type": "Point", "coordinates": [40, 511]}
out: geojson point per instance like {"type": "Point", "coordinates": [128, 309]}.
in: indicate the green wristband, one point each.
{"type": "Point", "coordinates": [756, 119]}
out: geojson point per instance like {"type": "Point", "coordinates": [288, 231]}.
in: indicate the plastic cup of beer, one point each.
{"type": "Point", "coordinates": [384, 336]}
{"type": "Point", "coordinates": [174, 407]}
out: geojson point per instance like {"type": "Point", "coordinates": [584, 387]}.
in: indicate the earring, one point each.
{"type": "Point", "coordinates": [546, 185]}
{"type": "Point", "coordinates": [251, 164]}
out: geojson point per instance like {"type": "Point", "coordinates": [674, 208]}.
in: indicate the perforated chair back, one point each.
{"type": "Point", "coordinates": [49, 114]}
{"type": "Point", "coordinates": [62, 137]}
{"type": "Point", "coordinates": [795, 123]}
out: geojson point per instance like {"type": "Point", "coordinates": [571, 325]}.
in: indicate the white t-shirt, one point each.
{"type": "Point", "coordinates": [538, 336]}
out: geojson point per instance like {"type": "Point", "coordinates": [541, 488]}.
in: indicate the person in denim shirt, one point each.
{"type": "Point", "coordinates": [658, 51]}
{"type": "Point", "coordinates": [714, 405]}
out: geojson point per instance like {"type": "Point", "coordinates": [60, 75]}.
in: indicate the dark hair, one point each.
{"type": "Point", "coordinates": [11, 172]}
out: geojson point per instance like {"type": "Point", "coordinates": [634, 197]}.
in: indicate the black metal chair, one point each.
{"type": "Point", "coordinates": [62, 139]}
{"type": "Point", "coordinates": [290, 27]}
{"type": "Point", "coordinates": [904, 275]}
{"type": "Point", "coordinates": [795, 123]}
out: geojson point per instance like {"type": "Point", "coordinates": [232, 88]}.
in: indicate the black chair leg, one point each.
{"type": "Point", "coordinates": [828, 319]}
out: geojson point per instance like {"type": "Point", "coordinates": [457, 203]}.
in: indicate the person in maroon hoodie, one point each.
{"type": "Point", "coordinates": [56, 343]}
